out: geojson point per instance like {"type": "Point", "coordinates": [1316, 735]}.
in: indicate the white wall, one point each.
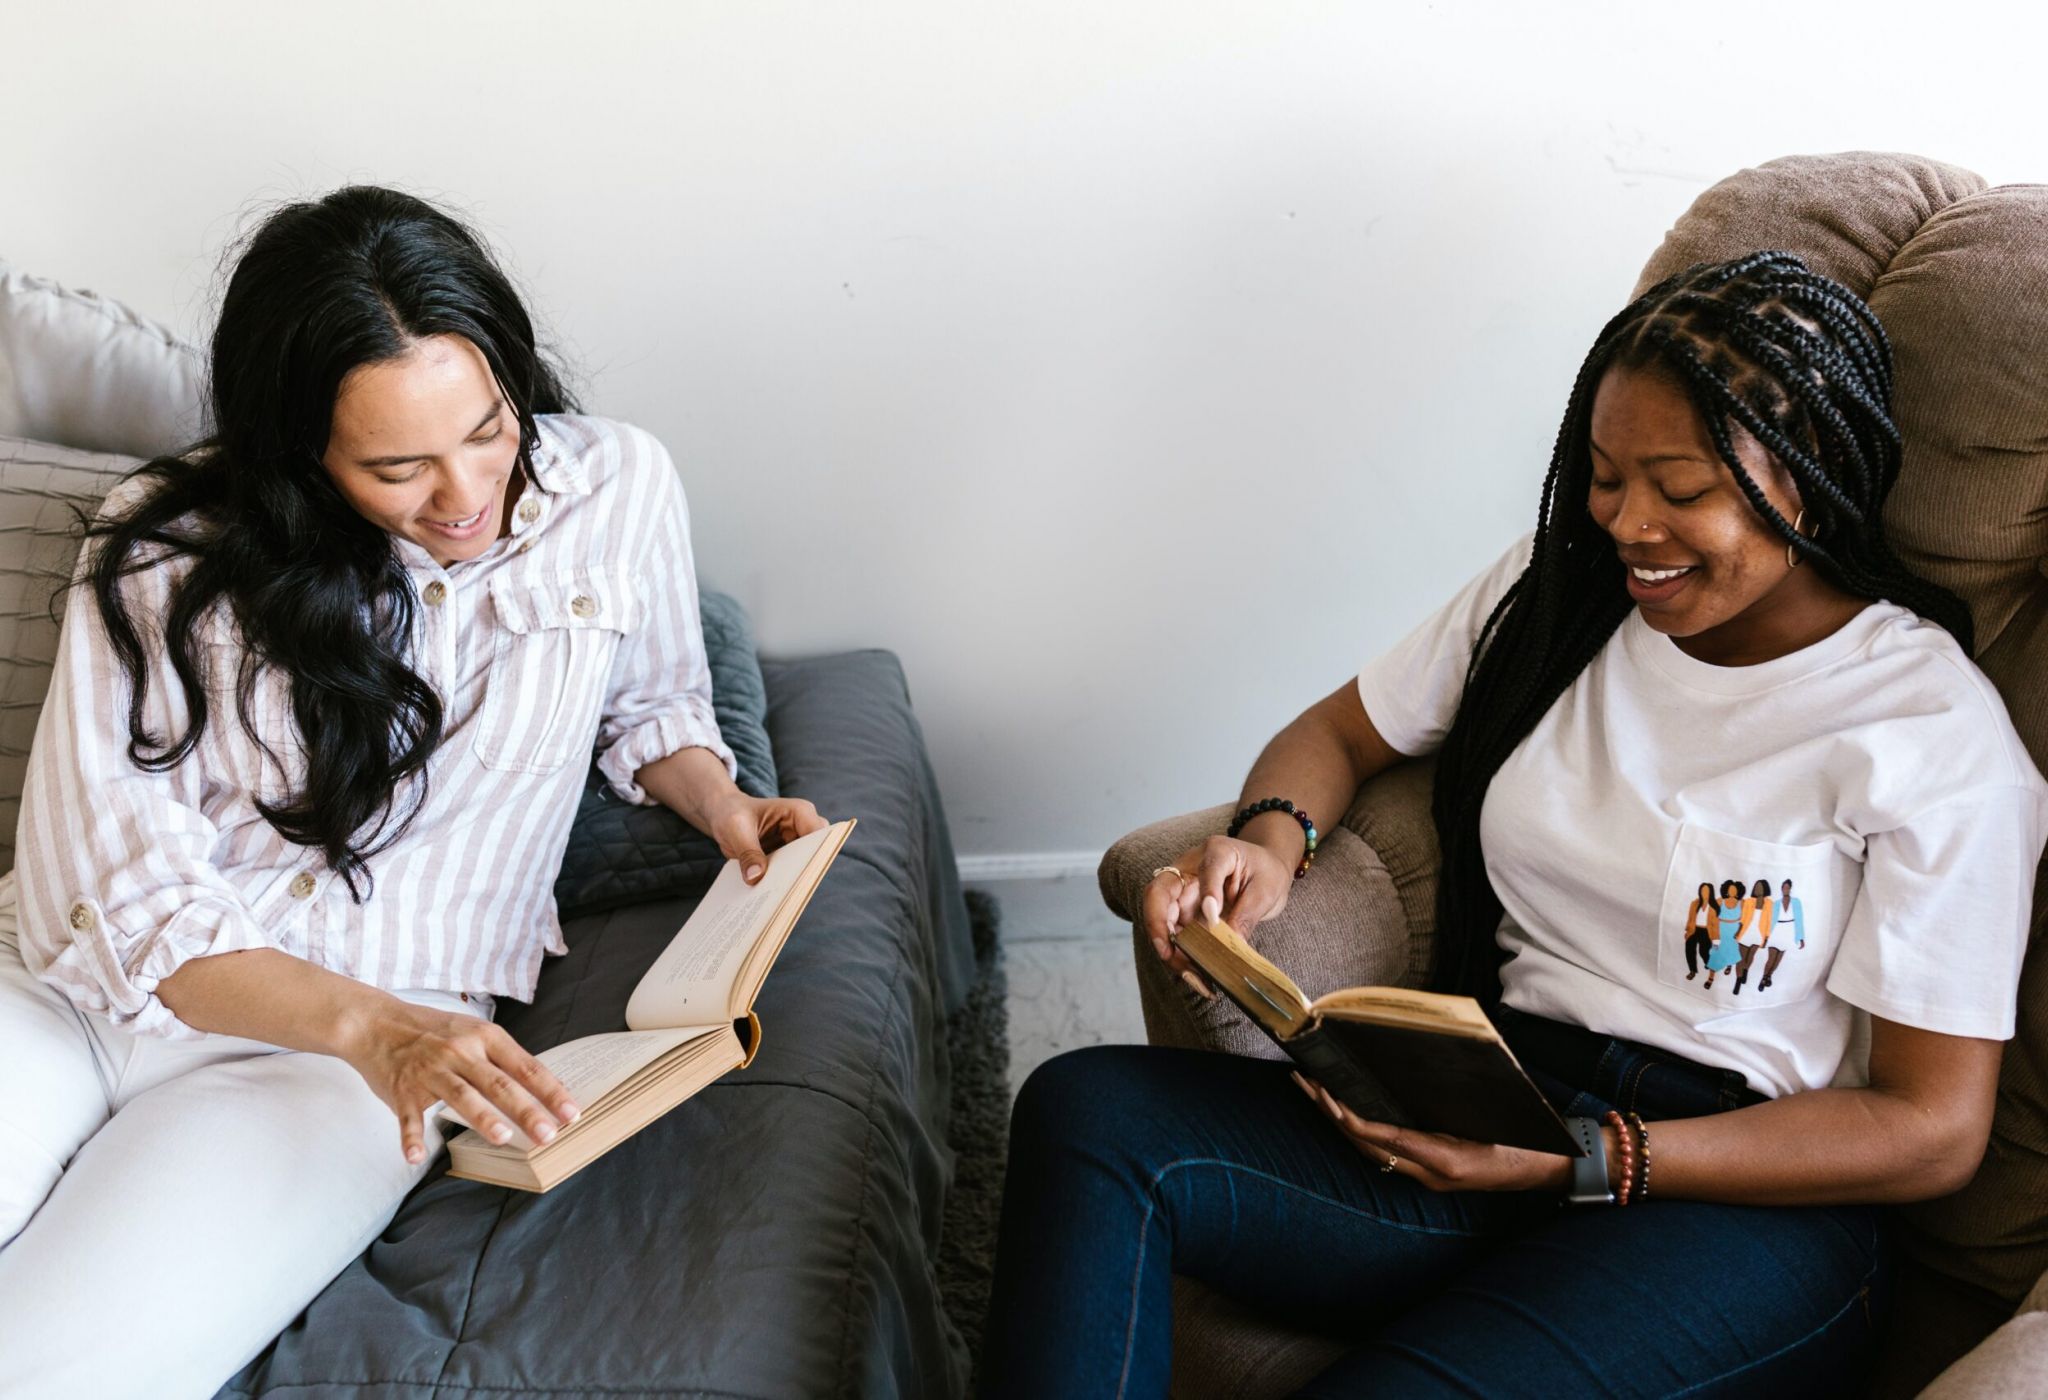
{"type": "Point", "coordinates": [1132, 369]}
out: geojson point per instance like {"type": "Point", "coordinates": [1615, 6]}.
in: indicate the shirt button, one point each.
{"type": "Point", "coordinates": [583, 605]}
{"type": "Point", "coordinates": [81, 917]}
{"type": "Point", "coordinates": [525, 545]}
{"type": "Point", "coordinates": [302, 885]}
{"type": "Point", "coordinates": [529, 511]}
{"type": "Point", "coordinates": [434, 593]}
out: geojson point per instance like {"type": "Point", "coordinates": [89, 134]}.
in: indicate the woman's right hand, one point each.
{"type": "Point", "coordinates": [1238, 881]}
{"type": "Point", "coordinates": [414, 1056]}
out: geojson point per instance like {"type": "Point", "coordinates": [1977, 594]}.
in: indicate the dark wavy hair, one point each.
{"type": "Point", "coordinates": [321, 288]}
{"type": "Point", "coordinates": [1800, 362]}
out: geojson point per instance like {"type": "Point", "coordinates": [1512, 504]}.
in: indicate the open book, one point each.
{"type": "Point", "coordinates": [689, 1021]}
{"type": "Point", "coordinates": [1413, 1059]}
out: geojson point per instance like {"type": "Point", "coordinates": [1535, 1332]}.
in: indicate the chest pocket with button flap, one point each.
{"type": "Point", "coordinates": [558, 637]}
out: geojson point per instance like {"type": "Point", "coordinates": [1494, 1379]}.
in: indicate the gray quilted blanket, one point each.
{"type": "Point", "coordinates": [773, 1237]}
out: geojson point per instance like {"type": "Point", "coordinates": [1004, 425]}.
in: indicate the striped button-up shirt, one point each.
{"type": "Point", "coordinates": [577, 632]}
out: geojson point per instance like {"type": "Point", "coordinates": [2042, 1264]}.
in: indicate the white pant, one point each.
{"type": "Point", "coordinates": [171, 1205]}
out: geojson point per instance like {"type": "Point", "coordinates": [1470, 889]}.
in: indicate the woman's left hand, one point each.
{"type": "Point", "coordinates": [1441, 1162]}
{"type": "Point", "coordinates": [747, 828]}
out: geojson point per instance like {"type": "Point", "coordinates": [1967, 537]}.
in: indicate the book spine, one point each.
{"type": "Point", "coordinates": [1334, 1067]}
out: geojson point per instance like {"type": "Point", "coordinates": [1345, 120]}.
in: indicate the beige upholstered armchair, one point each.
{"type": "Point", "coordinates": [1958, 272]}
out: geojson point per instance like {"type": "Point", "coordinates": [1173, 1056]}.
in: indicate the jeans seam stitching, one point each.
{"type": "Point", "coordinates": [1606, 1055]}
{"type": "Point", "coordinates": [1123, 1378]}
{"type": "Point", "coordinates": [1635, 1088]}
{"type": "Point", "coordinates": [1299, 1190]}
{"type": "Point", "coordinates": [1839, 1314]}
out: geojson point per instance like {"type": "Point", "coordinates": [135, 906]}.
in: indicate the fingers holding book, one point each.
{"type": "Point", "coordinates": [1159, 912]}
{"type": "Point", "coordinates": [748, 828]}
{"type": "Point", "coordinates": [1238, 881]}
{"type": "Point", "coordinates": [1437, 1160]}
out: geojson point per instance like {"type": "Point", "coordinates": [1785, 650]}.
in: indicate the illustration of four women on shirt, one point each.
{"type": "Point", "coordinates": [1729, 930]}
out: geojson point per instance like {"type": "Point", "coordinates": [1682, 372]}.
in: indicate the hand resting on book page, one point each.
{"type": "Point", "coordinates": [592, 1067]}
{"type": "Point", "coordinates": [1442, 1162]}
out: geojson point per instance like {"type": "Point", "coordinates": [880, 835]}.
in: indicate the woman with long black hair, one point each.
{"type": "Point", "coordinates": [317, 728]}
{"type": "Point", "coordinates": [1705, 657]}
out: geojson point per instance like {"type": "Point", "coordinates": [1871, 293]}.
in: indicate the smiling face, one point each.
{"type": "Point", "coordinates": [1703, 568]}
{"type": "Point", "coordinates": [426, 447]}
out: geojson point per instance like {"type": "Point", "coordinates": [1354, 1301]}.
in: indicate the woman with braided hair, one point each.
{"type": "Point", "coordinates": [1706, 656]}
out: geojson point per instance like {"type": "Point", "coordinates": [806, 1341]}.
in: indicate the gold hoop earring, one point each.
{"type": "Point", "coordinates": [1792, 559]}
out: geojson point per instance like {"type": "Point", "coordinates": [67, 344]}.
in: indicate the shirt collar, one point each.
{"type": "Point", "coordinates": [557, 469]}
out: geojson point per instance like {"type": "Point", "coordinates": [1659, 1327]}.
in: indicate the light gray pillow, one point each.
{"type": "Point", "coordinates": [81, 369]}
{"type": "Point", "coordinates": [42, 490]}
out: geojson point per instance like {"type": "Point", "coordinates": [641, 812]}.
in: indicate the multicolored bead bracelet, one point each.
{"type": "Point", "coordinates": [1281, 804]}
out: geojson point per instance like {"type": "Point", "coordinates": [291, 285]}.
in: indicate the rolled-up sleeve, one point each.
{"type": "Point", "coordinates": [114, 863]}
{"type": "Point", "coordinates": [660, 697]}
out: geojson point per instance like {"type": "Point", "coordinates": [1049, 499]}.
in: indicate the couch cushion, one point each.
{"type": "Point", "coordinates": [80, 369]}
{"type": "Point", "coordinates": [43, 491]}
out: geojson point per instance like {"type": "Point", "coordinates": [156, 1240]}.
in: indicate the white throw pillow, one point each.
{"type": "Point", "coordinates": [79, 369]}
{"type": "Point", "coordinates": [42, 489]}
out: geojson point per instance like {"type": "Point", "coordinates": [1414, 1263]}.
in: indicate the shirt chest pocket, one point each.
{"type": "Point", "coordinates": [556, 637]}
{"type": "Point", "coordinates": [1749, 924]}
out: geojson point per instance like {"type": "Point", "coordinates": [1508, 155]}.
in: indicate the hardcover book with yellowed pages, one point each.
{"type": "Point", "coordinates": [1414, 1059]}
{"type": "Point", "coordinates": [689, 1021]}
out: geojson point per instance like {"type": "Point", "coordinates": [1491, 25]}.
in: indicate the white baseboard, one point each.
{"type": "Point", "coordinates": [1030, 865]}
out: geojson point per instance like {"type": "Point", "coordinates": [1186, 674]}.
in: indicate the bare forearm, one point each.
{"type": "Point", "coordinates": [267, 995]}
{"type": "Point", "coordinates": [1825, 1146]}
{"type": "Point", "coordinates": [692, 783]}
{"type": "Point", "coordinates": [1318, 763]}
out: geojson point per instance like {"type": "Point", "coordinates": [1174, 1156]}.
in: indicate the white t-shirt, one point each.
{"type": "Point", "coordinates": [1876, 770]}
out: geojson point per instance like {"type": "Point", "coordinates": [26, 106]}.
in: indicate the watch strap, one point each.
{"type": "Point", "coordinates": [1589, 1173]}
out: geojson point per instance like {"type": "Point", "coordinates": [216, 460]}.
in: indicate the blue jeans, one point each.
{"type": "Point", "coordinates": [1130, 1164]}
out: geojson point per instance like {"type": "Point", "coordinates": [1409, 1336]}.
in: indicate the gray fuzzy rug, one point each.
{"type": "Point", "coordinates": [978, 1040]}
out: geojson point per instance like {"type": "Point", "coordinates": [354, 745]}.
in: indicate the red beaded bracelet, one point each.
{"type": "Point", "coordinates": [1628, 1156]}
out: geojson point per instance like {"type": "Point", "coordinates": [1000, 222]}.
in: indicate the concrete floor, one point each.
{"type": "Point", "coordinates": [1069, 965]}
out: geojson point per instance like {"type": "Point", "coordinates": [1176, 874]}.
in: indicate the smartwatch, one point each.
{"type": "Point", "coordinates": [1589, 1173]}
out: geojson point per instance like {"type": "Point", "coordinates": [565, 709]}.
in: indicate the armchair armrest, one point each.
{"type": "Point", "coordinates": [2010, 1364]}
{"type": "Point", "coordinates": [1359, 918]}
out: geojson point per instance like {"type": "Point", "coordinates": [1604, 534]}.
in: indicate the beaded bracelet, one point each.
{"type": "Point", "coordinates": [1628, 1156]}
{"type": "Point", "coordinates": [1281, 804]}
{"type": "Point", "coordinates": [1635, 1120]}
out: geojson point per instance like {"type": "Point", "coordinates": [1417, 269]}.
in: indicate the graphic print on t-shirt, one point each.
{"type": "Point", "coordinates": [1745, 922]}
{"type": "Point", "coordinates": [1738, 932]}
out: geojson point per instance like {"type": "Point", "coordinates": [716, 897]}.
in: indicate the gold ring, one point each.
{"type": "Point", "coordinates": [1392, 1162]}
{"type": "Point", "coordinates": [1173, 870]}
